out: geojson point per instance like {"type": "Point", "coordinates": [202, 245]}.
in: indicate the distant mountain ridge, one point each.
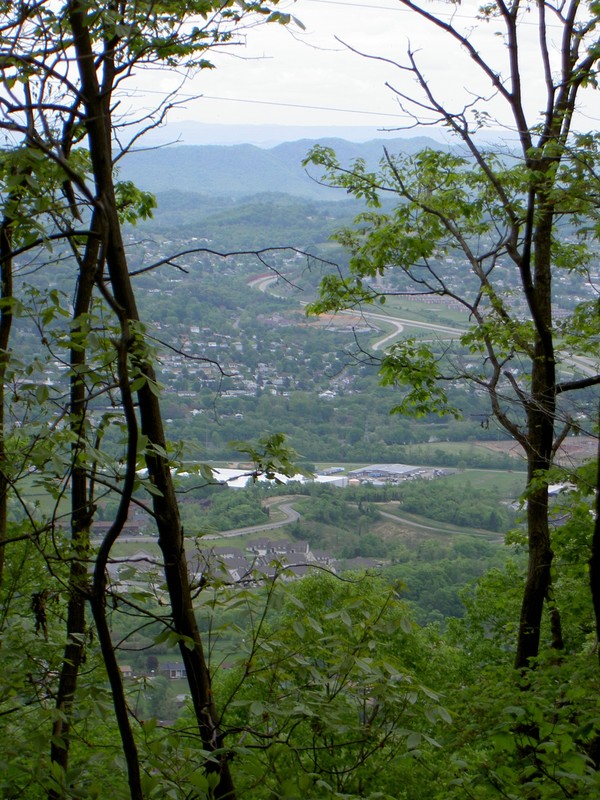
{"type": "Point", "coordinates": [242, 170]}
{"type": "Point", "coordinates": [268, 135]}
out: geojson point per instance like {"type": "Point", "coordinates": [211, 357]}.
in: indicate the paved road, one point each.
{"type": "Point", "coordinates": [584, 364]}
{"type": "Point", "coordinates": [291, 515]}
{"type": "Point", "coordinates": [433, 529]}
{"type": "Point", "coordinates": [264, 284]}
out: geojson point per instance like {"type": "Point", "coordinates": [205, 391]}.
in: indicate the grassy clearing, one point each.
{"type": "Point", "coordinates": [425, 312]}
{"type": "Point", "coordinates": [460, 448]}
{"type": "Point", "coordinates": [507, 485]}
{"type": "Point", "coordinates": [419, 526]}
{"type": "Point", "coordinates": [125, 549]}
{"type": "Point", "coordinates": [433, 453]}
{"type": "Point", "coordinates": [39, 500]}
{"type": "Point", "coordinates": [241, 542]}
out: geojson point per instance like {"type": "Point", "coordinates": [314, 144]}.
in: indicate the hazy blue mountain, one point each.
{"type": "Point", "coordinates": [371, 151]}
{"type": "Point", "coordinates": [242, 170]}
{"type": "Point", "coordinates": [192, 132]}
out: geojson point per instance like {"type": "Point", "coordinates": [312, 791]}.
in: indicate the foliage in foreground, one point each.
{"type": "Point", "coordinates": [326, 689]}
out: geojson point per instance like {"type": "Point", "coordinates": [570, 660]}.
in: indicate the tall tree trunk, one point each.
{"type": "Point", "coordinates": [594, 563]}
{"type": "Point", "coordinates": [541, 410]}
{"type": "Point", "coordinates": [595, 556]}
{"type": "Point", "coordinates": [6, 319]}
{"type": "Point", "coordinates": [81, 515]}
{"type": "Point", "coordinates": [99, 584]}
{"type": "Point", "coordinates": [96, 100]}
{"type": "Point", "coordinates": [538, 573]}
{"type": "Point", "coordinates": [6, 286]}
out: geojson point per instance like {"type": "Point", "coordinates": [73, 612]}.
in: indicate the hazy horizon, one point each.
{"type": "Point", "coordinates": [189, 132]}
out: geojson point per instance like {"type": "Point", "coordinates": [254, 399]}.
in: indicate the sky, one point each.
{"type": "Point", "coordinates": [332, 73]}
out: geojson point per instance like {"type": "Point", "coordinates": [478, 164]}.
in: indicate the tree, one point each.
{"type": "Point", "coordinates": [495, 230]}
{"type": "Point", "coordinates": [324, 692]}
{"type": "Point", "coordinates": [64, 71]}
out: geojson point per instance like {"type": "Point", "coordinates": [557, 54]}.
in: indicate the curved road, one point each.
{"type": "Point", "coordinates": [265, 282]}
{"type": "Point", "coordinates": [431, 528]}
{"type": "Point", "coordinates": [584, 364]}
{"type": "Point", "coordinates": [291, 515]}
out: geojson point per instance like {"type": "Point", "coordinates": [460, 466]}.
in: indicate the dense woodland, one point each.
{"type": "Point", "coordinates": [441, 641]}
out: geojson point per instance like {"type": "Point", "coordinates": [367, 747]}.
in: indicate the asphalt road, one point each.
{"type": "Point", "coordinates": [291, 515]}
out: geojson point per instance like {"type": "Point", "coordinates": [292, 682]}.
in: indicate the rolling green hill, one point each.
{"type": "Point", "coordinates": [239, 170]}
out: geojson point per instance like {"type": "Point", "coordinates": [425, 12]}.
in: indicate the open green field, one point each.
{"type": "Point", "coordinates": [508, 485]}
{"type": "Point", "coordinates": [124, 549]}
{"type": "Point", "coordinates": [425, 312]}
{"type": "Point", "coordinates": [272, 535]}
{"type": "Point", "coordinates": [39, 501]}
{"type": "Point", "coordinates": [419, 526]}
{"type": "Point", "coordinates": [462, 448]}
{"type": "Point", "coordinates": [466, 450]}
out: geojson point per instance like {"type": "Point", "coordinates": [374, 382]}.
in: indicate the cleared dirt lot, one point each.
{"type": "Point", "coordinates": [573, 450]}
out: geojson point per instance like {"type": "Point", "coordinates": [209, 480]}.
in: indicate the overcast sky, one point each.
{"type": "Point", "coordinates": [290, 76]}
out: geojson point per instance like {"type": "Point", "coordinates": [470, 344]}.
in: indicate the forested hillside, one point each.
{"type": "Point", "coordinates": [241, 170]}
{"type": "Point", "coordinates": [249, 221]}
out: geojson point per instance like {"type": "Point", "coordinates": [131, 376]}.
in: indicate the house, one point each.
{"type": "Point", "coordinates": [296, 549]}
{"type": "Point", "coordinates": [222, 562]}
{"type": "Point", "coordinates": [173, 670]}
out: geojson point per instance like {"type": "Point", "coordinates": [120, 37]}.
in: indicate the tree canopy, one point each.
{"type": "Point", "coordinates": [493, 228]}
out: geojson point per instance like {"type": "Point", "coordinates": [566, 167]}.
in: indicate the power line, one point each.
{"type": "Point", "coordinates": [301, 105]}
{"type": "Point", "coordinates": [182, 95]}
{"type": "Point", "coordinates": [403, 10]}
{"type": "Point", "coordinates": [397, 8]}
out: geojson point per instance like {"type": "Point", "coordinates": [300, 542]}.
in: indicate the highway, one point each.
{"type": "Point", "coordinates": [583, 364]}
{"type": "Point", "coordinates": [264, 283]}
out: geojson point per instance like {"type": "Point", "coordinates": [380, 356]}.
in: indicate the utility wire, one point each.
{"type": "Point", "coordinates": [399, 8]}
{"type": "Point", "coordinates": [182, 95]}
{"type": "Point", "coordinates": [300, 105]}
